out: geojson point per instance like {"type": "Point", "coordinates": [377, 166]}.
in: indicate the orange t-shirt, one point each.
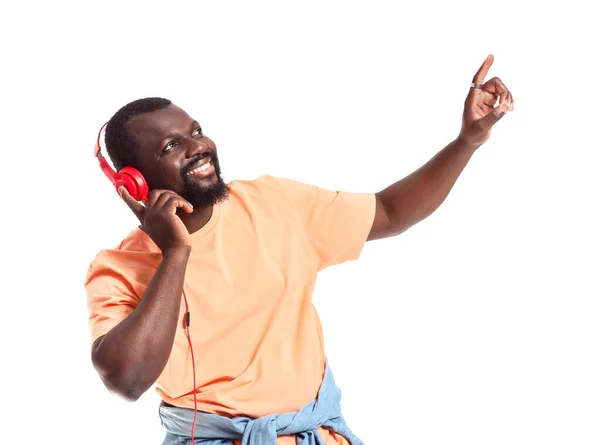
{"type": "Point", "coordinates": [249, 281]}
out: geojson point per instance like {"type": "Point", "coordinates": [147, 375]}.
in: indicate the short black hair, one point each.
{"type": "Point", "coordinates": [120, 146]}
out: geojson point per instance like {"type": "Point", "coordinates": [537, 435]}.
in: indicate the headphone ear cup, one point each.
{"type": "Point", "coordinates": [134, 183]}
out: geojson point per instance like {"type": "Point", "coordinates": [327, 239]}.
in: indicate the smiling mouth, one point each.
{"type": "Point", "coordinates": [204, 168]}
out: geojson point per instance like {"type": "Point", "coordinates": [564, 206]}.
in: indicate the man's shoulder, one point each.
{"type": "Point", "coordinates": [136, 241]}
{"type": "Point", "coordinates": [264, 182]}
{"type": "Point", "coordinates": [135, 250]}
{"type": "Point", "coordinates": [263, 187]}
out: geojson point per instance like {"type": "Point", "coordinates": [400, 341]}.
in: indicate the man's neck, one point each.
{"type": "Point", "coordinates": [197, 219]}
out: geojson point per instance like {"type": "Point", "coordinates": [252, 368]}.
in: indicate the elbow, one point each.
{"type": "Point", "coordinates": [125, 389]}
{"type": "Point", "coordinates": [130, 394]}
{"type": "Point", "coordinates": [116, 377]}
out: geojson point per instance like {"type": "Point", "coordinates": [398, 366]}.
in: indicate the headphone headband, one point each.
{"type": "Point", "coordinates": [97, 146]}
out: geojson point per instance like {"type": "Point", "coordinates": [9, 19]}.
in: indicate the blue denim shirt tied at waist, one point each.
{"type": "Point", "coordinates": [212, 429]}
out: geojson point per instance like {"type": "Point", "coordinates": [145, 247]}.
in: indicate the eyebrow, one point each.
{"type": "Point", "coordinates": [173, 135]}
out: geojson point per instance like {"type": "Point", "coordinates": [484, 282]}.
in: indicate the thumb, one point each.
{"type": "Point", "coordinates": [495, 115]}
{"type": "Point", "coordinates": [136, 207]}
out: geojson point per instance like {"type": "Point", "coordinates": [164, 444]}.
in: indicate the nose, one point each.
{"type": "Point", "coordinates": [196, 147]}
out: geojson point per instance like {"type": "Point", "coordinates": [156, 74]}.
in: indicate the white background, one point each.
{"type": "Point", "coordinates": [478, 326]}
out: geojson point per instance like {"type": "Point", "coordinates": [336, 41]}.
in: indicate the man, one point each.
{"type": "Point", "coordinates": [244, 344]}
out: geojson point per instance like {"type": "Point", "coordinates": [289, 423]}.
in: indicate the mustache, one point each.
{"type": "Point", "coordinates": [193, 163]}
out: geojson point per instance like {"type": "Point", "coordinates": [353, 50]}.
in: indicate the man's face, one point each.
{"type": "Point", "coordinates": [175, 155]}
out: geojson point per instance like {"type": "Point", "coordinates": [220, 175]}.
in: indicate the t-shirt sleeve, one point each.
{"type": "Point", "coordinates": [111, 297]}
{"type": "Point", "coordinates": [337, 223]}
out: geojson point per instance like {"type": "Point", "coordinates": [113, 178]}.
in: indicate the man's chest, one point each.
{"type": "Point", "coordinates": [249, 265]}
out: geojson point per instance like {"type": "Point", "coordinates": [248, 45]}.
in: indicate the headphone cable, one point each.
{"type": "Point", "coordinates": [187, 333]}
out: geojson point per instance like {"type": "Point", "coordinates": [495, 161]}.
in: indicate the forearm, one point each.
{"type": "Point", "coordinates": [131, 356]}
{"type": "Point", "coordinates": [418, 195]}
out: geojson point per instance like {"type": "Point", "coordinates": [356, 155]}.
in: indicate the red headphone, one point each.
{"type": "Point", "coordinates": [129, 177]}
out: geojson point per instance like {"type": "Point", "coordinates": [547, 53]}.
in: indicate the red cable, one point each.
{"type": "Point", "coordinates": [187, 334]}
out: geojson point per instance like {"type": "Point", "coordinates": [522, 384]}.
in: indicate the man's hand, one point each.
{"type": "Point", "coordinates": [159, 219]}
{"type": "Point", "coordinates": [418, 195]}
{"type": "Point", "coordinates": [481, 111]}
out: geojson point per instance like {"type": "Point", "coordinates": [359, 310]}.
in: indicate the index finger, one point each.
{"type": "Point", "coordinates": [136, 207]}
{"type": "Point", "coordinates": [483, 70]}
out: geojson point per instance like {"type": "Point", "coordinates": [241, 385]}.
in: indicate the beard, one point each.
{"type": "Point", "coordinates": [200, 195]}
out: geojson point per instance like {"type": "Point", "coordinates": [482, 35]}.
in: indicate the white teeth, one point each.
{"type": "Point", "coordinates": [202, 168]}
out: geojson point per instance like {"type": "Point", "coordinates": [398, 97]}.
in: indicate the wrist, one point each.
{"type": "Point", "coordinates": [179, 250]}
{"type": "Point", "coordinates": [463, 144]}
